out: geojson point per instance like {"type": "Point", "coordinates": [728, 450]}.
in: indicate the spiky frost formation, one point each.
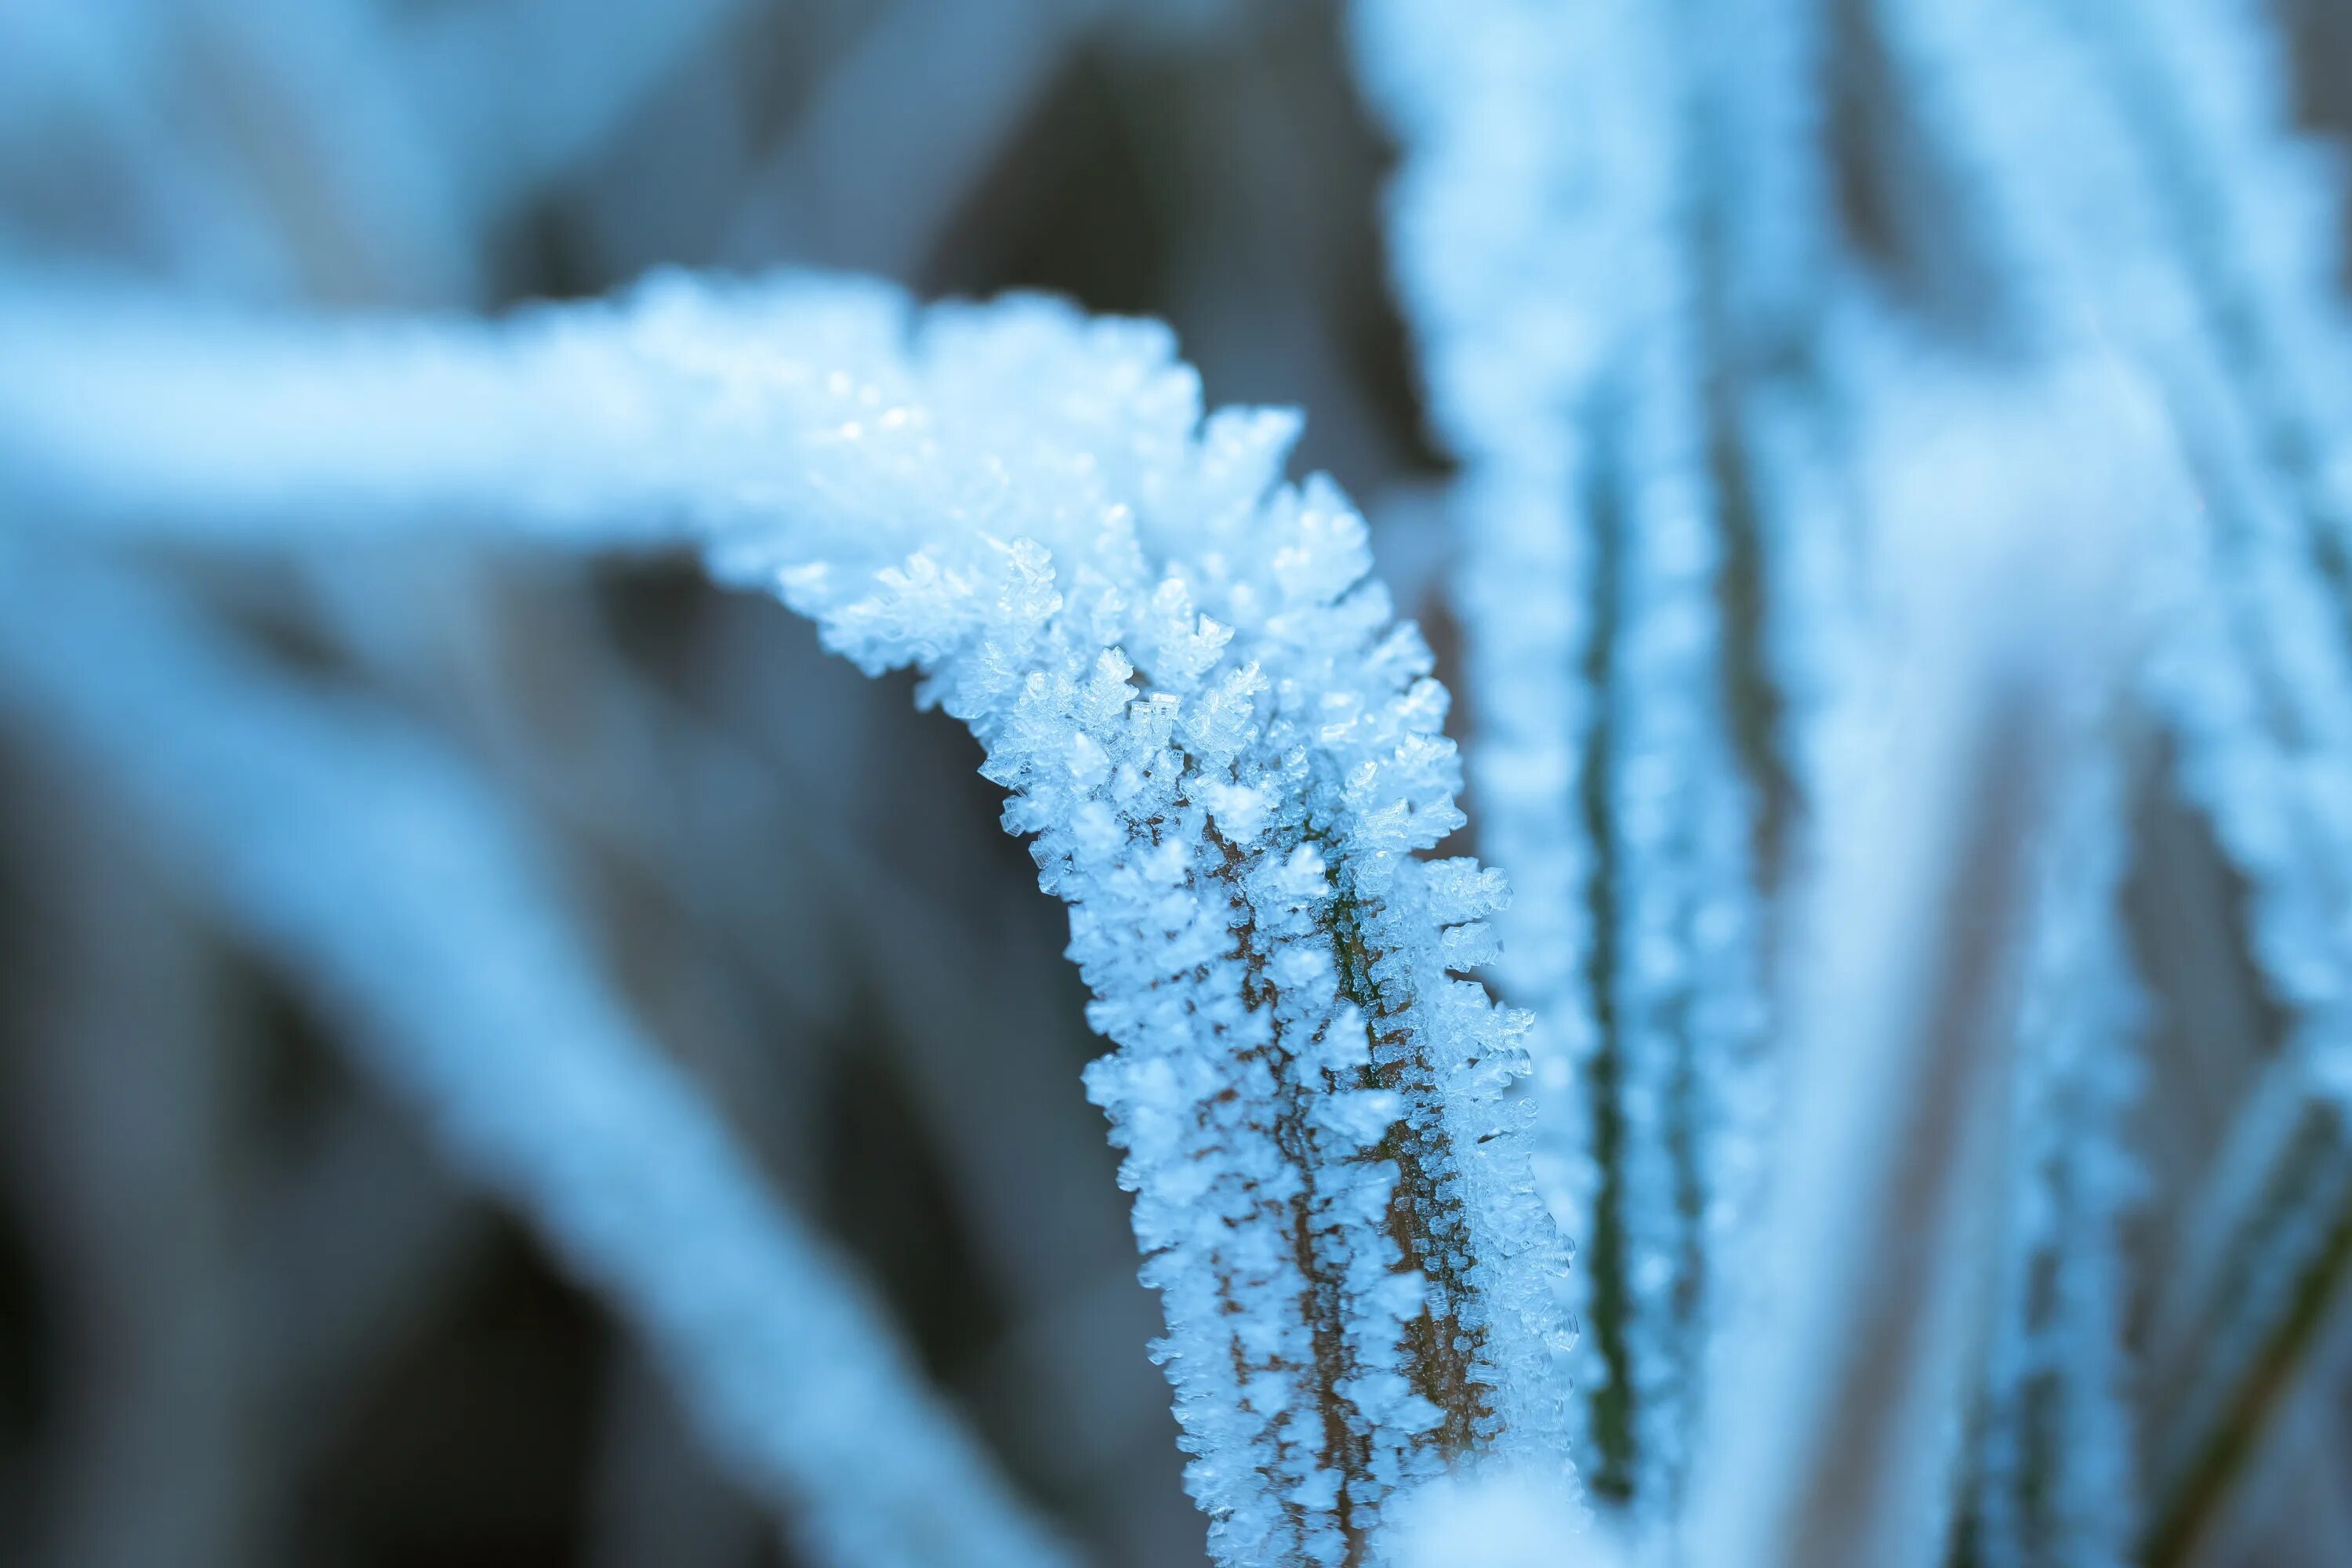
{"type": "Point", "coordinates": [1229, 756]}
{"type": "Point", "coordinates": [1228, 752]}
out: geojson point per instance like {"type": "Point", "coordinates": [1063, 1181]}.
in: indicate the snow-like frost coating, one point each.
{"type": "Point", "coordinates": [1231, 758]}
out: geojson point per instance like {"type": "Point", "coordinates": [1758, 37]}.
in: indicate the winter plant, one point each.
{"type": "Point", "coordinates": [1897, 440]}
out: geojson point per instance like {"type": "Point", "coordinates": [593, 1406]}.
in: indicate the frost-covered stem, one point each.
{"type": "Point", "coordinates": [1831, 1440]}
{"type": "Point", "coordinates": [2053, 1483]}
{"type": "Point", "coordinates": [1765, 240]}
{"type": "Point", "coordinates": [141, 412]}
{"type": "Point", "coordinates": [1230, 755]}
{"type": "Point", "coordinates": [1552, 282]}
{"type": "Point", "coordinates": [399, 895]}
{"type": "Point", "coordinates": [1760, 232]}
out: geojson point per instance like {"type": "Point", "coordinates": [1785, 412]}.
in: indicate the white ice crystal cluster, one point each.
{"type": "Point", "coordinates": [1229, 754]}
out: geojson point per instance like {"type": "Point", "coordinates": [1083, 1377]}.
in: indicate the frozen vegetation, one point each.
{"type": "Point", "coordinates": [1897, 490]}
